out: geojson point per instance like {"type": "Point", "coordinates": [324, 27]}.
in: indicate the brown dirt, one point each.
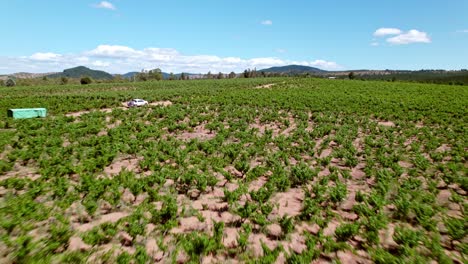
{"type": "Point", "coordinates": [277, 128]}
{"type": "Point", "coordinates": [331, 227]}
{"type": "Point", "coordinates": [112, 218]}
{"type": "Point", "coordinates": [405, 164]}
{"type": "Point", "coordinates": [386, 237]}
{"type": "Point", "coordinates": [127, 196]}
{"type": "Point", "coordinates": [234, 172]}
{"type": "Point", "coordinates": [257, 184]}
{"type": "Point", "coordinates": [104, 110]}
{"type": "Point", "coordinates": [127, 163]}
{"type": "Point", "coordinates": [114, 125]}
{"type": "Point", "coordinates": [102, 133]}
{"type": "Point", "coordinates": [296, 244]}
{"type": "Point", "coordinates": [199, 132]}
{"type": "Point", "coordinates": [66, 143]}
{"type": "Point", "coordinates": [358, 143]}
{"type": "Point", "coordinates": [324, 172]}
{"type": "Point", "coordinates": [443, 198]}
{"type": "Point", "coordinates": [189, 224]}
{"type": "Point", "coordinates": [357, 172]}
{"type": "Point", "coordinates": [265, 86]}
{"type": "Point", "coordinates": [21, 171]}
{"type": "Point", "coordinates": [230, 237]}
{"type": "Point", "coordinates": [308, 227]}
{"type": "Point", "coordinates": [77, 114]}
{"type": "Point", "coordinates": [325, 153]}
{"type": "Point", "coordinates": [350, 258]}
{"type": "Point", "coordinates": [255, 244]}
{"type": "Point", "coordinates": [386, 123]}
{"type": "Point", "coordinates": [228, 217]}
{"type": "Point", "coordinates": [289, 203]}
{"type": "Point", "coordinates": [161, 103]}
{"type": "Point", "coordinates": [77, 244]}
{"type": "Point", "coordinates": [211, 201]}
{"type": "Point", "coordinates": [122, 107]}
{"type": "Point", "coordinates": [443, 148]}
{"type": "Point", "coordinates": [274, 231]}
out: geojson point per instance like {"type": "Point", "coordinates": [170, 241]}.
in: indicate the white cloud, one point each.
{"type": "Point", "coordinates": [113, 51]}
{"type": "Point", "coordinates": [105, 5]}
{"type": "Point", "coordinates": [265, 61]}
{"type": "Point", "coordinates": [267, 22]}
{"type": "Point", "coordinates": [401, 38]}
{"type": "Point", "coordinates": [386, 31]}
{"type": "Point", "coordinates": [412, 36]}
{"type": "Point", "coordinates": [122, 59]}
{"type": "Point", "coordinates": [322, 64]}
{"type": "Point", "coordinates": [47, 56]}
{"type": "Point", "coordinates": [100, 64]}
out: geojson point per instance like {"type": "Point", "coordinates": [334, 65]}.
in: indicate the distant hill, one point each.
{"type": "Point", "coordinates": [165, 75]}
{"type": "Point", "coordinates": [25, 75]}
{"type": "Point", "coordinates": [293, 69]}
{"type": "Point", "coordinates": [129, 75]}
{"type": "Point", "coordinates": [81, 71]}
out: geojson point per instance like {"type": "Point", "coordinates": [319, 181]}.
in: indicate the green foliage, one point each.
{"type": "Point", "coordinates": [287, 224]}
{"type": "Point", "coordinates": [243, 237]}
{"type": "Point", "coordinates": [301, 173]}
{"type": "Point", "coordinates": [80, 71]}
{"type": "Point", "coordinates": [86, 80]}
{"type": "Point", "coordinates": [75, 257]}
{"type": "Point", "coordinates": [346, 231]}
{"type": "Point", "coordinates": [63, 80]}
{"type": "Point", "coordinates": [457, 228]}
{"type": "Point", "coordinates": [55, 172]}
{"type": "Point", "coordinates": [167, 216]}
{"type": "Point", "coordinates": [198, 245]}
{"type": "Point", "coordinates": [100, 235]}
{"type": "Point", "coordinates": [338, 193]}
{"type": "Point", "coordinates": [140, 255]}
{"type": "Point", "coordinates": [10, 82]}
{"type": "Point", "coordinates": [124, 258]}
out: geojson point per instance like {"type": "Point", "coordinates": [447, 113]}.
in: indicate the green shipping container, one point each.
{"type": "Point", "coordinates": [27, 113]}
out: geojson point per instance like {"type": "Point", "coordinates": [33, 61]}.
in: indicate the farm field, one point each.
{"type": "Point", "coordinates": [280, 170]}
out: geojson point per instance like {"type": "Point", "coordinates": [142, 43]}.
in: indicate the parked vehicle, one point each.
{"type": "Point", "coordinates": [137, 102]}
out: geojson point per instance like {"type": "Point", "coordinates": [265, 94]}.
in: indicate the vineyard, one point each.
{"type": "Point", "coordinates": [271, 170]}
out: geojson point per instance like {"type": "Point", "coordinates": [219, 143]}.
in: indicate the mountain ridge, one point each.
{"type": "Point", "coordinates": [81, 71]}
{"type": "Point", "coordinates": [293, 69]}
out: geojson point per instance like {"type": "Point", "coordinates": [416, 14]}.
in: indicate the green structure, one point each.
{"type": "Point", "coordinates": [27, 113]}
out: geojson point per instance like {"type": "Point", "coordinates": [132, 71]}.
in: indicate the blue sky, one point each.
{"type": "Point", "coordinates": [199, 36]}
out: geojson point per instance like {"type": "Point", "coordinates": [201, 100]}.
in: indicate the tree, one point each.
{"type": "Point", "coordinates": [232, 75]}
{"type": "Point", "coordinates": [220, 75]}
{"type": "Point", "coordinates": [63, 80]}
{"type": "Point", "coordinates": [253, 74]}
{"type": "Point", "coordinates": [155, 74]}
{"type": "Point", "coordinates": [171, 76]}
{"type": "Point", "coordinates": [351, 76]}
{"type": "Point", "coordinates": [118, 78]}
{"type": "Point", "coordinates": [142, 76]}
{"type": "Point", "coordinates": [246, 73]}
{"type": "Point", "coordinates": [86, 80]}
{"type": "Point", "coordinates": [209, 75]}
{"type": "Point", "coordinates": [182, 76]}
{"type": "Point", "coordinates": [10, 83]}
